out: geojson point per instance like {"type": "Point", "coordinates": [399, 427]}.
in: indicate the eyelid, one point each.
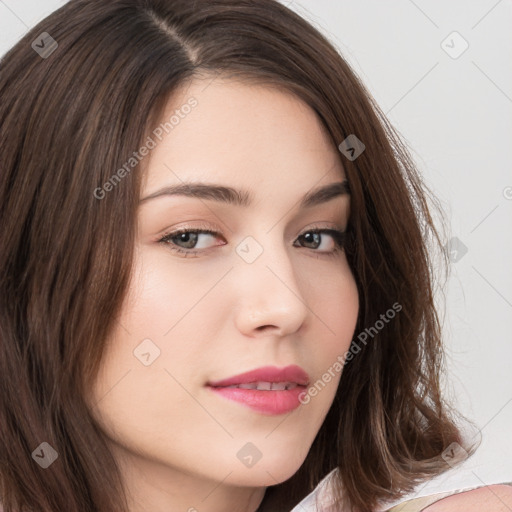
{"type": "Point", "coordinates": [337, 234]}
{"type": "Point", "coordinates": [190, 227]}
{"type": "Point", "coordinates": [218, 232]}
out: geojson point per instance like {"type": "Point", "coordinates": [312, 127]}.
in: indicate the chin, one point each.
{"type": "Point", "coordinates": [269, 471]}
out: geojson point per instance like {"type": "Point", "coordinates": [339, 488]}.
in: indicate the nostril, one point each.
{"type": "Point", "coordinates": [265, 327]}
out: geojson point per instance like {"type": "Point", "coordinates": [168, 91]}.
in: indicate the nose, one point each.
{"type": "Point", "coordinates": [269, 295]}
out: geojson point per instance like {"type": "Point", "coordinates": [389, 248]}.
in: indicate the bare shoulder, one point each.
{"type": "Point", "coordinates": [492, 498]}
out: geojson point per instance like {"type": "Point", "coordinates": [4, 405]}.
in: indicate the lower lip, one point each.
{"type": "Point", "coordinates": [266, 402]}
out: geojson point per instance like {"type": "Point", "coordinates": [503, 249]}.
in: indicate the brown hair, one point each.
{"type": "Point", "coordinates": [67, 121]}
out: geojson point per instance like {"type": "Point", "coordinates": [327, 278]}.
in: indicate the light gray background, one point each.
{"type": "Point", "coordinates": [455, 114]}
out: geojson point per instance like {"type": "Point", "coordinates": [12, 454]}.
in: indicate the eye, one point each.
{"type": "Point", "coordinates": [189, 238]}
{"type": "Point", "coordinates": [185, 241]}
{"type": "Point", "coordinates": [316, 237]}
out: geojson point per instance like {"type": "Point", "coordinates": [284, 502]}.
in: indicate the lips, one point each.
{"type": "Point", "coordinates": [267, 390]}
{"type": "Point", "coordinates": [292, 374]}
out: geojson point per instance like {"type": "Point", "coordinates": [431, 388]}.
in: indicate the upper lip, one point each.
{"type": "Point", "coordinates": [292, 373]}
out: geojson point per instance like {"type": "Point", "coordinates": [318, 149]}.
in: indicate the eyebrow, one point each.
{"type": "Point", "coordinates": [229, 195]}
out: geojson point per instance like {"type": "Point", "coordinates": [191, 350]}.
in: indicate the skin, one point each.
{"type": "Point", "coordinates": [215, 315]}
{"type": "Point", "coordinates": [492, 498]}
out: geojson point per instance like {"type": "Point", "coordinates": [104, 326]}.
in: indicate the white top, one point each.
{"type": "Point", "coordinates": [471, 473]}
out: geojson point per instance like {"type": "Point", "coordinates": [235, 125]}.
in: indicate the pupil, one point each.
{"type": "Point", "coordinates": [188, 238]}
{"type": "Point", "coordinates": [313, 236]}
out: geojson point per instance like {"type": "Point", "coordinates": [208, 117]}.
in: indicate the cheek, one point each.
{"type": "Point", "coordinates": [334, 303]}
{"type": "Point", "coordinates": [164, 330]}
{"type": "Point", "coordinates": [165, 290]}
{"type": "Point", "coordinates": [155, 332]}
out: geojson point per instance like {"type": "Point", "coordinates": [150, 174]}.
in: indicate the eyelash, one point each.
{"type": "Point", "coordinates": [338, 236]}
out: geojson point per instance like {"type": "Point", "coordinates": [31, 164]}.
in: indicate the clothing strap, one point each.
{"type": "Point", "coordinates": [419, 504]}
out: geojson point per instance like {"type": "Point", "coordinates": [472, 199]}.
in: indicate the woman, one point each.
{"type": "Point", "coordinates": [215, 281]}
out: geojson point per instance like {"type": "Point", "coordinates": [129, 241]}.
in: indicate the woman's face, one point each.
{"type": "Point", "coordinates": [264, 291]}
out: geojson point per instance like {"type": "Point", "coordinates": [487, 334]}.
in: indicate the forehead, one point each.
{"type": "Point", "coordinates": [242, 134]}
